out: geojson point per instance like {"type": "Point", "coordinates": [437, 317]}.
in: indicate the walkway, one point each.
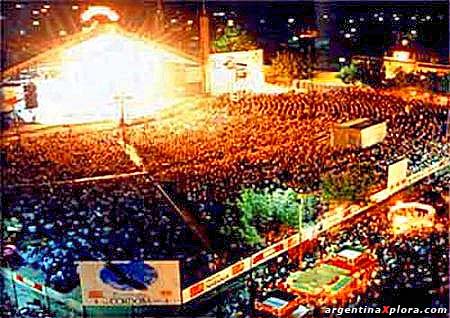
{"type": "Point", "coordinates": [184, 213]}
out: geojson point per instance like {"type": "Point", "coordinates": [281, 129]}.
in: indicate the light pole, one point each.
{"type": "Point", "coordinates": [121, 98]}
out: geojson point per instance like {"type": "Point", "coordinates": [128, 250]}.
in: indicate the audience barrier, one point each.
{"type": "Point", "coordinates": [246, 264]}
{"type": "Point", "coordinates": [33, 290]}
{"type": "Point", "coordinates": [276, 249]}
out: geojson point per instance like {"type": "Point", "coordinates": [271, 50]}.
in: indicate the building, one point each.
{"type": "Point", "coordinates": [410, 57]}
{"type": "Point", "coordinates": [320, 81]}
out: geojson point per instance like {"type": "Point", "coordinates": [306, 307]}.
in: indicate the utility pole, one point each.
{"type": "Point", "coordinates": [301, 209]}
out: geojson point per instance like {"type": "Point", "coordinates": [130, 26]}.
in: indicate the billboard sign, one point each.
{"type": "Point", "coordinates": [124, 283]}
{"type": "Point", "coordinates": [397, 172]}
{"type": "Point", "coordinates": [225, 70]}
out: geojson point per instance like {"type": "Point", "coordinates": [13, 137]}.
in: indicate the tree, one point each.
{"type": "Point", "coordinates": [234, 39]}
{"type": "Point", "coordinates": [349, 186]}
{"type": "Point", "coordinates": [348, 74]}
{"type": "Point", "coordinates": [250, 205]}
{"type": "Point", "coordinates": [260, 209]}
{"type": "Point", "coordinates": [290, 65]}
{"type": "Point", "coordinates": [400, 79]}
{"type": "Point", "coordinates": [285, 206]}
{"type": "Point", "coordinates": [371, 72]}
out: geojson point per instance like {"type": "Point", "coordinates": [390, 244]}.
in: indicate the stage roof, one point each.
{"type": "Point", "coordinates": [106, 73]}
{"type": "Point", "coordinates": [57, 47]}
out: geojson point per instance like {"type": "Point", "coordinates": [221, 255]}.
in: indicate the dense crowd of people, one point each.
{"type": "Point", "coordinates": [283, 140]}
{"type": "Point", "coordinates": [115, 219]}
{"type": "Point", "coordinates": [413, 268]}
{"type": "Point", "coordinates": [65, 155]}
{"type": "Point", "coordinates": [207, 154]}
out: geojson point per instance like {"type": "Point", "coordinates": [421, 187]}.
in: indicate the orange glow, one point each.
{"type": "Point", "coordinates": [93, 11]}
{"type": "Point", "coordinates": [406, 216]}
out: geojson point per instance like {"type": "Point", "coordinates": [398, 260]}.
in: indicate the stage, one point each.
{"type": "Point", "coordinates": [106, 74]}
{"type": "Point", "coordinates": [50, 114]}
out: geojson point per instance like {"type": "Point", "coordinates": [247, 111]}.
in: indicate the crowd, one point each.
{"type": "Point", "coordinates": [236, 302]}
{"type": "Point", "coordinates": [413, 268]}
{"type": "Point", "coordinates": [64, 155]}
{"type": "Point", "coordinates": [116, 219]}
{"type": "Point", "coordinates": [29, 310]}
{"type": "Point", "coordinates": [283, 140]}
{"type": "Point", "coordinates": [208, 153]}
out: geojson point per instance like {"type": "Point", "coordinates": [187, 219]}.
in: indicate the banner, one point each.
{"type": "Point", "coordinates": [137, 283]}
{"type": "Point", "coordinates": [224, 70]}
{"type": "Point", "coordinates": [238, 268]}
{"type": "Point", "coordinates": [397, 172]}
{"type": "Point", "coordinates": [25, 281]}
{"type": "Point", "coordinates": [216, 280]}
{"type": "Point", "coordinates": [274, 250]}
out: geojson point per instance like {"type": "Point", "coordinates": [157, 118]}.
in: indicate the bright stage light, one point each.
{"type": "Point", "coordinates": [93, 72]}
{"type": "Point", "coordinates": [93, 11]}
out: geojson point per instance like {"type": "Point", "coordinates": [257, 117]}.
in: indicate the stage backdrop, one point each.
{"type": "Point", "coordinates": [138, 283]}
